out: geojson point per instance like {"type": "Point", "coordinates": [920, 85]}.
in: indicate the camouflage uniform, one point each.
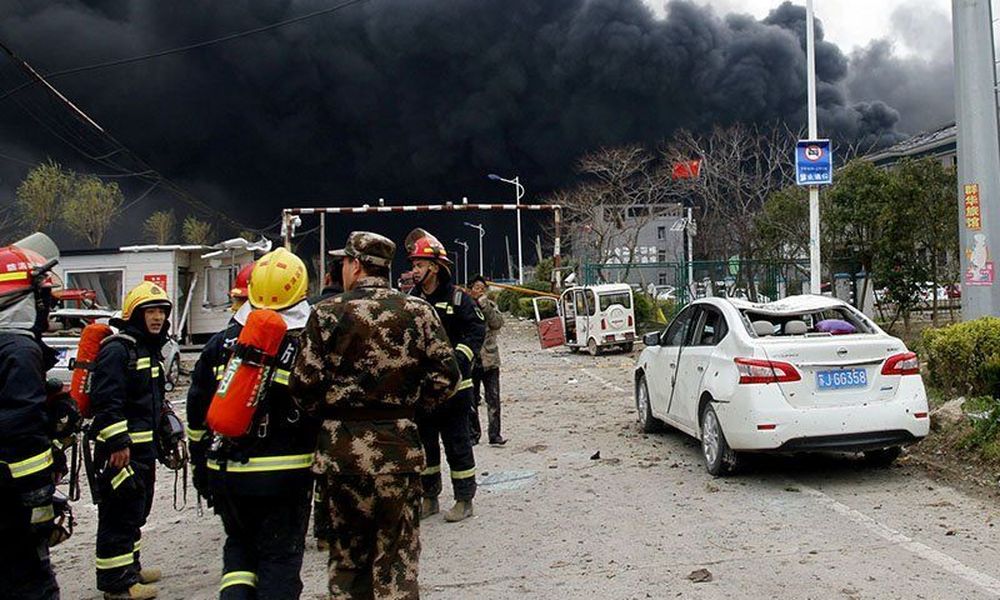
{"type": "Point", "coordinates": [370, 358]}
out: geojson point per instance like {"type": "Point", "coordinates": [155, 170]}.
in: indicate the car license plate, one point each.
{"type": "Point", "coordinates": [842, 379]}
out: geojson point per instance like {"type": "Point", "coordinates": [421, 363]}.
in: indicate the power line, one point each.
{"type": "Point", "coordinates": [185, 48]}
{"type": "Point", "coordinates": [116, 147]}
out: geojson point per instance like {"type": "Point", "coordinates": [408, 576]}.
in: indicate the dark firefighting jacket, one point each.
{"type": "Point", "coordinates": [275, 456]}
{"type": "Point", "coordinates": [127, 393]}
{"type": "Point", "coordinates": [25, 447]}
{"type": "Point", "coordinates": [464, 323]}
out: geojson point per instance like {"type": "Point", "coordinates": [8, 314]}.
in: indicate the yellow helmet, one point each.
{"type": "Point", "coordinates": [279, 280]}
{"type": "Point", "coordinates": [146, 293]}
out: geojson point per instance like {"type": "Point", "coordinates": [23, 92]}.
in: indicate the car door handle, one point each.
{"type": "Point", "coordinates": [673, 365]}
{"type": "Point", "coordinates": [700, 368]}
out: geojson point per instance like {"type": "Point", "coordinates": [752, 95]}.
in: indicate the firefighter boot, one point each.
{"type": "Point", "coordinates": [150, 575]}
{"type": "Point", "coordinates": [428, 507]}
{"type": "Point", "coordinates": [461, 511]}
{"type": "Point", "coordinates": [138, 591]}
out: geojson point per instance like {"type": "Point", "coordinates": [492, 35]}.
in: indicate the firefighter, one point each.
{"type": "Point", "coordinates": [239, 294]}
{"type": "Point", "coordinates": [370, 358]}
{"type": "Point", "coordinates": [127, 396]}
{"type": "Point", "coordinates": [26, 458]}
{"type": "Point", "coordinates": [466, 329]}
{"type": "Point", "coordinates": [260, 484]}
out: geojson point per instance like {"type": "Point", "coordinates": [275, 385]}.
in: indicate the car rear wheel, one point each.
{"type": "Point", "coordinates": [720, 459]}
{"type": "Point", "coordinates": [647, 422]}
{"type": "Point", "coordinates": [629, 347]}
{"type": "Point", "coordinates": [592, 347]}
{"type": "Point", "coordinates": [882, 457]}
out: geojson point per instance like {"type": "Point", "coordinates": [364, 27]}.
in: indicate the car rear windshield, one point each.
{"type": "Point", "coordinates": [829, 321]}
{"type": "Point", "coordinates": [609, 300]}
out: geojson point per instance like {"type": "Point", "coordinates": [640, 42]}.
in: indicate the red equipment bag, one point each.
{"type": "Point", "coordinates": [247, 375]}
{"type": "Point", "coordinates": [83, 366]}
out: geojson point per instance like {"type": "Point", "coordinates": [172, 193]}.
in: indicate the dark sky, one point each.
{"type": "Point", "coordinates": [411, 100]}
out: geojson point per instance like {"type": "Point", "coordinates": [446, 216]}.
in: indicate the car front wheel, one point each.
{"type": "Point", "coordinates": [592, 347]}
{"type": "Point", "coordinates": [720, 459]}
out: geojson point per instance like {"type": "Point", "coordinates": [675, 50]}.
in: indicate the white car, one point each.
{"type": "Point", "coordinates": [803, 374]}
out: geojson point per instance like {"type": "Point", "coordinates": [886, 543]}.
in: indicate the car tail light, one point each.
{"type": "Point", "coordinates": [920, 415]}
{"type": "Point", "coordinates": [604, 324]}
{"type": "Point", "coordinates": [902, 364]}
{"type": "Point", "coordinates": [765, 371]}
{"type": "Point", "coordinates": [630, 320]}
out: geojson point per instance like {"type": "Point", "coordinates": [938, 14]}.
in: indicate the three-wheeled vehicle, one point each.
{"type": "Point", "coordinates": [594, 317]}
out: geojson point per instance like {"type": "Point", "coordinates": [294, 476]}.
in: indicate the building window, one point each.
{"type": "Point", "coordinates": [662, 279]}
{"type": "Point", "coordinates": [218, 283]}
{"type": "Point", "coordinates": [107, 285]}
{"type": "Point", "coordinates": [661, 255]}
{"type": "Point", "coordinates": [661, 232]}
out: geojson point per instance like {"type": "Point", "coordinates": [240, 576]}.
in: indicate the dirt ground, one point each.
{"type": "Point", "coordinates": [581, 505]}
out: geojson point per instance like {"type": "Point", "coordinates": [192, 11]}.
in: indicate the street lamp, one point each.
{"type": "Point", "coordinates": [815, 266]}
{"type": "Point", "coordinates": [465, 260]}
{"type": "Point", "coordinates": [518, 194]}
{"type": "Point", "coordinates": [482, 234]}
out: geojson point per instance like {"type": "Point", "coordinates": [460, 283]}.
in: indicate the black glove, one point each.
{"type": "Point", "coordinates": [199, 471]}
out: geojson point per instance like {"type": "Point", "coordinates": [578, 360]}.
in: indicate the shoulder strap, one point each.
{"type": "Point", "coordinates": [130, 345]}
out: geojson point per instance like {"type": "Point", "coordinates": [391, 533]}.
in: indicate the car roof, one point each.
{"type": "Point", "coordinates": [792, 305]}
{"type": "Point", "coordinates": [604, 287]}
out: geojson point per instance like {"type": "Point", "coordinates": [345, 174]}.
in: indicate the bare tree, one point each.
{"type": "Point", "coordinates": [742, 166]}
{"type": "Point", "coordinates": [624, 190]}
{"type": "Point", "coordinates": [160, 225]}
{"type": "Point", "coordinates": [91, 208]}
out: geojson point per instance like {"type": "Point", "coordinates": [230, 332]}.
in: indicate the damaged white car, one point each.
{"type": "Point", "coordinates": [803, 374]}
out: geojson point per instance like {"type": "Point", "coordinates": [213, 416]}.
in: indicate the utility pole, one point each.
{"type": "Point", "coordinates": [978, 154]}
{"type": "Point", "coordinates": [465, 260]}
{"type": "Point", "coordinates": [510, 270]}
{"type": "Point", "coordinates": [815, 265]}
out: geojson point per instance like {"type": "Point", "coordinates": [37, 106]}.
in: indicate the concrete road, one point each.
{"type": "Point", "coordinates": [555, 520]}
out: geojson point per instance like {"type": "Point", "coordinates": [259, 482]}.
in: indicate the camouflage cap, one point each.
{"type": "Point", "coordinates": [367, 247]}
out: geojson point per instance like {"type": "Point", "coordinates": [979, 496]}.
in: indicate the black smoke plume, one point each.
{"type": "Point", "coordinates": [411, 100]}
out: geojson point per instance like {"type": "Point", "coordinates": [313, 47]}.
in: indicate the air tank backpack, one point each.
{"type": "Point", "coordinates": [248, 373]}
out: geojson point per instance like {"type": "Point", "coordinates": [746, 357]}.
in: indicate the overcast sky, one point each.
{"type": "Point", "coordinates": [848, 23]}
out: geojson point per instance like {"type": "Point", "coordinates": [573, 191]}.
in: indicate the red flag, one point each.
{"type": "Point", "coordinates": [688, 169]}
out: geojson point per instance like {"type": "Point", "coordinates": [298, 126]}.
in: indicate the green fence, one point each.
{"type": "Point", "coordinates": [759, 281]}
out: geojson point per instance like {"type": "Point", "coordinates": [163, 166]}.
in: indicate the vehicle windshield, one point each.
{"type": "Point", "coordinates": [609, 300]}
{"type": "Point", "coordinates": [827, 321]}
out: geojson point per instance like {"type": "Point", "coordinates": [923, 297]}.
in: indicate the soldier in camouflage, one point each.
{"type": "Point", "coordinates": [371, 357]}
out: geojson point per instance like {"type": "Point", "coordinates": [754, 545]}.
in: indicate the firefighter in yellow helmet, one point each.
{"type": "Point", "coordinates": [127, 395]}
{"type": "Point", "coordinates": [260, 483]}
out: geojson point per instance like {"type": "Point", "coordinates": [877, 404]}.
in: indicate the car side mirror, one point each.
{"type": "Point", "coordinates": [651, 339]}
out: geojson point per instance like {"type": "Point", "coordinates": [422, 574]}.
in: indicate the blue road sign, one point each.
{"type": "Point", "coordinates": [813, 162]}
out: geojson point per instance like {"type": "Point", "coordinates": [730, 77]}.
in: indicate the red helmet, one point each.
{"type": "Point", "coordinates": [242, 283]}
{"type": "Point", "coordinates": [429, 248]}
{"type": "Point", "coordinates": [21, 271]}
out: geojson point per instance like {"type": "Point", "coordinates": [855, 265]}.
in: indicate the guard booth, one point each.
{"type": "Point", "coordinates": [595, 317]}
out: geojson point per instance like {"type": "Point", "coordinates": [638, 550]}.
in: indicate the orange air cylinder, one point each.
{"type": "Point", "coordinates": [246, 377]}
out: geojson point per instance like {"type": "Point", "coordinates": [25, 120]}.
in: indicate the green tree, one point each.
{"type": "Point", "coordinates": [196, 231]}
{"type": "Point", "coordinates": [91, 208]}
{"type": "Point", "coordinates": [782, 225]}
{"type": "Point", "coordinates": [917, 230]}
{"type": "Point", "coordinates": [41, 194]}
{"type": "Point", "coordinates": [852, 208]}
{"type": "Point", "coordinates": [159, 227]}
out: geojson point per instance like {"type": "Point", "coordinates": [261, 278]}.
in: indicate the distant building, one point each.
{"type": "Point", "coordinates": [941, 144]}
{"type": "Point", "coordinates": [197, 278]}
{"type": "Point", "coordinates": [659, 248]}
